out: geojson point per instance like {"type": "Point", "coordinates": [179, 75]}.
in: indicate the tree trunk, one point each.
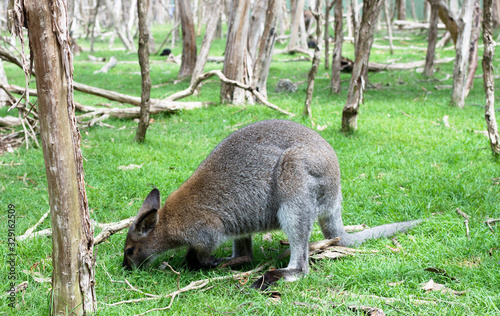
{"type": "Point", "coordinates": [431, 45]}
{"type": "Point", "coordinates": [235, 59]}
{"type": "Point", "coordinates": [447, 17]}
{"type": "Point", "coordinates": [143, 52]}
{"type": "Point", "coordinates": [316, 60]}
{"type": "Point", "coordinates": [188, 40]}
{"type": "Point", "coordinates": [355, 20]}
{"type": "Point", "coordinates": [488, 76]}
{"type": "Point", "coordinates": [297, 19]}
{"type": "Point", "coordinates": [72, 235]}
{"type": "Point", "coordinates": [495, 17]}
{"type": "Point", "coordinates": [371, 10]}
{"type": "Point", "coordinates": [329, 6]}
{"type": "Point", "coordinates": [115, 10]}
{"type": "Point", "coordinates": [462, 54]}
{"type": "Point", "coordinates": [266, 45]}
{"type": "Point", "coordinates": [337, 50]}
{"type": "Point", "coordinates": [215, 7]}
{"type": "Point", "coordinates": [257, 20]}
{"type": "Point", "coordinates": [388, 21]}
{"type": "Point", "coordinates": [401, 7]}
{"type": "Point", "coordinates": [474, 42]}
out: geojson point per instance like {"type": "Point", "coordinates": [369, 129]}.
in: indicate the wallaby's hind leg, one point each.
{"type": "Point", "coordinates": [331, 222]}
{"type": "Point", "coordinates": [299, 187]}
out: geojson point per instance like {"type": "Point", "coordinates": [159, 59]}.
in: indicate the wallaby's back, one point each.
{"type": "Point", "coordinates": [249, 174]}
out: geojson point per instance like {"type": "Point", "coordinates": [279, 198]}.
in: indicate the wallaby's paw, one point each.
{"type": "Point", "coordinates": [193, 264]}
{"type": "Point", "coordinates": [272, 276]}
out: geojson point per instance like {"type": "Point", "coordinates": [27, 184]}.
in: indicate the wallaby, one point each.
{"type": "Point", "coordinates": [268, 175]}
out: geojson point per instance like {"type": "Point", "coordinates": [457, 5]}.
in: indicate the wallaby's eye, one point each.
{"type": "Point", "coordinates": [129, 252]}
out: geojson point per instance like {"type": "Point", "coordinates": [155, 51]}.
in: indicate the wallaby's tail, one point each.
{"type": "Point", "coordinates": [386, 230]}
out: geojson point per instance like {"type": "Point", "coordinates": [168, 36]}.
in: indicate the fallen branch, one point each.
{"type": "Point", "coordinates": [191, 89]}
{"type": "Point", "coordinates": [109, 65]}
{"type": "Point", "coordinates": [112, 228]}
{"type": "Point", "coordinates": [491, 221]}
{"type": "Point", "coordinates": [30, 231]}
{"type": "Point", "coordinates": [314, 247]}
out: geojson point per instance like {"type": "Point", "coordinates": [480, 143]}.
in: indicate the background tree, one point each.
{"type": "Point", "coordinates": [488, 77]}
{"type": "Point", "coordinates": [371, 9]}
{"type": "Point", "coordinates": [337, 50]}
{"type": "Point", "coordinates": [72, 234]}
{"type": "Point", "coordinates": [235, 58]}
{"type": "Point", "coordinates": [188, 39]}
{"type": "Point", "coordinates": [143, 52]}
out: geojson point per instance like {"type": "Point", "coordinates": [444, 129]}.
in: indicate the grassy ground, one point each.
{"type": "Point", "coordinates": [401, 164]}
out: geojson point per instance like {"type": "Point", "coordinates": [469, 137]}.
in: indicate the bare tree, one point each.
{"type": "Point", "coordinates": [298, 26]}
{"type": "Point", "coordinates": [236, 56]}
{"type": "Point", "coordinates": [215, 7]}
{"type": "Point", "coordinates": [337, 50]}
{"type": "Point", "coordinates": [462, 54]}
{"type": "Point", "coordinates": [364, 42]}
{"type": "Point", "coordinates": [329, 6]}
{"type": "Point", "coordinates": [188, 39]}
{"type": "Point", "coordinates": [257, 20]}
{"type": "Point", "coordinates": [488, 76]}
{"type": "Point", "coordinates": [474, 43]}
{"type": "Point", "coordinates": [72, 234]}
{"type": "Point", "coordinates": [316, 60]}
{"type": "Point", "coordinates": [115, 9]}
{"type": "Point", "coordinates": [142, 11]}
{"type": "Point", "coordinates": [401, 9]}
{"type": "Point", "coordinates": [266, 45]}
{"type": "Point", "coordinates": [431, 44]}
{"type": "Point", "coordinates": [388, 21]}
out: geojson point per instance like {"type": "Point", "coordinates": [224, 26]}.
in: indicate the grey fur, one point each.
{"type": "Point", "coordinates": [269, 175]}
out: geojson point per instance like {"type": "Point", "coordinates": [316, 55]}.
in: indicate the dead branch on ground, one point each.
{"type": "Point", "coordinates": [491, 221]}
{"type": "Point", "coordinates": [191, 89]}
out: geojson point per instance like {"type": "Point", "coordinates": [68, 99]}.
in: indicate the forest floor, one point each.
{"type": "Point", "coordinates": [403, 163]}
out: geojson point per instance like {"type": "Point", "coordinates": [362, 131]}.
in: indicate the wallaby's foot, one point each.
{"type": "Point", "coordinates": [272, 276]}
{"type": "Point", "coordinates": [193, 263]}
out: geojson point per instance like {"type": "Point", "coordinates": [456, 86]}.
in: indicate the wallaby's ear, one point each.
{"type": "Point", "coordinates": [146, 222]}
{"type": "Point", "coordinates": [153, 200]}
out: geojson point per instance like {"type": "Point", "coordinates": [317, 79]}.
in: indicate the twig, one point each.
{"type": "Point", "coordinates": [30, 231]}
{"type": "Point", "coordinates": [191, 89]}
{"type": "Point", "coordinates": [491, 221]}
{"type": "Point", "coordinates": [466, 222]}
{"type": "Point", "coordinates": [112, 228]}
{"type": "Point", "coordinates": [459, 212]}
{"type": "Point", "coordinates": [178, 275]}
{"type": "Point", "coordinates": [314, 247]}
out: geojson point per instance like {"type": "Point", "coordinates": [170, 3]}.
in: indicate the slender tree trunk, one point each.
{"type": "Point", "coordinates": [188, 40]}
{"type": "Point", "coordinates": [337, 50]}
{"type": "Point", "coordinates": [72, 235]}
{"type": "Point", "coordinates": [142, 12]}
{"type": "Point", "coordinates": [371, 11]}
{"type": "Point", "coordinates": [235, 59]}
{"type": "Point", "coordinates": [329, 6]}
{"type": "Point", "coordinates": [388, 21]}
{"type": "Point", "coordinates": [215, 11]}
{"type": "Point", "coordinates": [266, 45]}
{"type": "Point", "coordinates": [297, 18]}
{"type": "Point", "coordinates": [496, 13]}
{"type": "Point", "coordinates": [257, 20]}
{"type": "Point", "coordinates": [316, 60]}
{"type": "Point", "coordinates": [462, 54]}
{"type": "Point", "coordinates": [474, 42]}
{"type": "Point", "coordinates": [115, 9]}
{"type": "Point", "coordinates": [401, 7]}
{"type": "Point", "coordinates": [488, 76]}
{"type": "Point", "coordinates": [431, 44]}
{"type": "Point", "coordinates": [355, 20]}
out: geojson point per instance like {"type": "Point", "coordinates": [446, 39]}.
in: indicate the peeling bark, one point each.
{"type": "Point", "coordinates": [72, 241]}
{"type": "Point", "coordinates": [489, 83]}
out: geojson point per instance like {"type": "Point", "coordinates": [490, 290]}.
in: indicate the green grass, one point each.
{"type": "Point", "coordinates": [401, 164]}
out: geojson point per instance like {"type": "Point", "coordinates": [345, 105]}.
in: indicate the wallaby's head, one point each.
{"type": "Point", "coordinates": [142, 242]}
